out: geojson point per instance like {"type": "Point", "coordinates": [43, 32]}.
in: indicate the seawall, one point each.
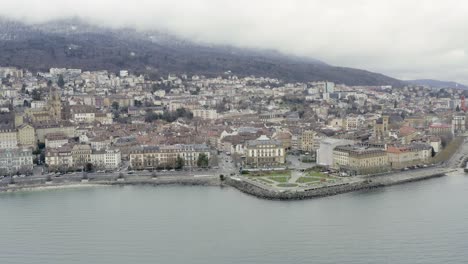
{"type": "Point", "coordinates": [266, 192]}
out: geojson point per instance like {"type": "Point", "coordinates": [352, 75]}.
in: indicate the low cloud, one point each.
{"type": "Point", "coordinates": [404, 39]}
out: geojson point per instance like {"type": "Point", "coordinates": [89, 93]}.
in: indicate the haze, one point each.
{"type": "Point", "coordinates": [403, 39]}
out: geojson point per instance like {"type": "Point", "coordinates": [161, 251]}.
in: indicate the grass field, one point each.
{"type": "Point", "coordinates": [280, 179]}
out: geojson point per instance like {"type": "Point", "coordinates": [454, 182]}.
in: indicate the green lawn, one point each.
{"type": "Point", "coordinates": [271, 173]}
{"type": "Point", "coordinates": [317, 174]}
{"type": "Point", "coordinates": [264, 180]}
{"type": "Point", "coordinates": [280, 179]}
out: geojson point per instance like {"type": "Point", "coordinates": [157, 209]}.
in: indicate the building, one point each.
{"type": "Point", "coordinates": [161, 157]}
{"type": "Point", "coordinates": [264, 152]}
{"type": "Point", "coordinates": [55, 140]}
{"type": "Point", "coordinates": [8, 139]}
{"type": "Point", "coordinates": [403, 156]}
{"type": "Point", "coordinates": [26, 135]}
{"type": "Point", "coordinates": [438, 129]}
{"type": "Point", "coordinates": [59, 158]}
{"type": "Point", "coordinates": [83, 113]}
{"type": "Point", "coordinates": [459, 124]}
{"type": "Point", "coordinates": [209, 114]}
{"type": "Point", "coordinates": [16, 160]}
{"type": "Point", "coordinates": [381, 128]}
{"type": "Point", "coordinates": [353, 122]}
{"type": "Point", "coordinates": [308, 143]}
{"type": "Point", "coordinates": [325, 150]}
{"type": "Point", "coordinates": [357, 160]}
{"type": "Point", "coordinates": [81, 155]}
{"type": "Point", "coordinates": [44, 128]}
{"type": "Point", "coordinates": [106, 159]}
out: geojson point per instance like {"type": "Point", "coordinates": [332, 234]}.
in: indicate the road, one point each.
{"type": "Point", "coordinates": [226, 167]}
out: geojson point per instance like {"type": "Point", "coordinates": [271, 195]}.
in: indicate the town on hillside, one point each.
{"type": "Point", "coordinates": [70, 120]}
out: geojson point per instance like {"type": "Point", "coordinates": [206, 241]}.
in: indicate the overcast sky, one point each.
{"type": "Point", "coordinates": [406, 39]}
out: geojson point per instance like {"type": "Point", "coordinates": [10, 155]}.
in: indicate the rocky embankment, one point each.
{"type": "Point", "coordinates": [267, 192]}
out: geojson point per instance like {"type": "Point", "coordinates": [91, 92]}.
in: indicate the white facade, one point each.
{"type": "Point", "coordinates": [8, 139]}
{"type": "Point", "coordinates": [325, 151]}
{"type": "Point", "coordinates": [106, 159]}
{"type": "Point", "coordinates": [205, 113]}
{"type": "Point", "coordinates": [15, 160]}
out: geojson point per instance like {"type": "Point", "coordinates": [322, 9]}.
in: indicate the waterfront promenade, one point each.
{"type": "Point", "coordinates": [291, 189]}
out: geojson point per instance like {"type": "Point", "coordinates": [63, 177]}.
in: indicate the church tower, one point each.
{"type": "Point", "coordinates": [55, 105]}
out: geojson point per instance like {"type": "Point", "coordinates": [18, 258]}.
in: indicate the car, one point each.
{"type": "Point", "coordinates": [173, 170]}
{"type": "Point", "coordinates": [130, 172]}
{"type": "Point", "coordinates": [164, 170]}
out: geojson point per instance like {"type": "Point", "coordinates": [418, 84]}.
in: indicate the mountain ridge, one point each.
{"type": "Point", "coordinates": [76, 44]}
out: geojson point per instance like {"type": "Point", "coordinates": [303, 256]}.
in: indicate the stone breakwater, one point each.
{"type": "Point", "coordinates": [243, 184]}
{"type": "Point", "coordinates": [267, 192]}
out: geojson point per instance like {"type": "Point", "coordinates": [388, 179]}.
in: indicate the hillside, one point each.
{"type": "Point", "coordinates": [438, 84]}
{"type": "Point", "coordinates": [74, 44]}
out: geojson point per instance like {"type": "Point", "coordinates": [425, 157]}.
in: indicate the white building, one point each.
{"type": "Point", "coordinates": [325, 151]}
{"type": "Point", "coordinates": [106, 159]}
{"type": "Point", "coordinates": [205, 113]}
{"type": "Point", "coordinates": [458, 124]}
{"type": "Point", "coordinates": [8, 139]}
{"type": "Point", "coordinates": [16, 160]}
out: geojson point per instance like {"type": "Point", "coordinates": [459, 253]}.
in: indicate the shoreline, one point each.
{"type": "Point", "coordinates": [368, 183]}
{"type": "Point", "coordinates": [247, 187]}
{"type": "Point", "coordinates": [206, 181]}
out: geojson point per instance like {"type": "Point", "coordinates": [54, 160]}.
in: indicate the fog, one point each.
{"type": "Point", "coordinates": [403, 39]}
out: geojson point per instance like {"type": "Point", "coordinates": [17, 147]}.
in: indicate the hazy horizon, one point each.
{"type": "Point", "coordinates": [405, 40]}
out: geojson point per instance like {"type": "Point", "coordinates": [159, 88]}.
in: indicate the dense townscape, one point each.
{"type": "Point", "coordinates": [69, 120]}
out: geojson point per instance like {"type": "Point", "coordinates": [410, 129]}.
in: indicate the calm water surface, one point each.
{"type": "Point", "coordinates": [423, 222]}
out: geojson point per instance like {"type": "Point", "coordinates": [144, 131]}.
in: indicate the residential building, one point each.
{"type": "Point", "coordinates": [15, 160]}
{"type": "Point", "coordinates": [325, 150]}
{"type": "Point", "coordinates": [55, 140]}
{"type": "Point", "coordinates": [308, 143]}
{"type": "Point", "coordinates": [165, 156]}
{"type": "Point", "coordinates": [459, 124]}
{"type": "Point", "coordinates": [60, 158]}
{"type": "Point", "coordinates": [81, 155]}
{"type": "Point", "coordinates": [26, 135]}
{"type": "Point", "coordinates": [8, 139]}
{"type": "Point", "coordinates": [106, 158]}
{"type": "Point", "coordinates": [356, 160]}
{"type": "Point", "coordinates": [410, 155]}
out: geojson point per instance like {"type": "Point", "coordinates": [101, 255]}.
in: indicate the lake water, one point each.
{"type": "Point", "coordinates": [422, 222]}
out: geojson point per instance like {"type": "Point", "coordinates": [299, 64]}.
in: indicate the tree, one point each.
{"type": "Point", "coordinates": [395, 104]}
{"type": "Point", "coordinates": [89, 167]}
{"type": "Point", "coordinates": [36, 95]}
{"type": "Point", "coordinates": [179, 164]}
{"type": "Point", "coordinates": [61, 82]}
{"type": "Point", "coordinates": [202, 160]}
{"type": "Point", "coordinates": [115, 106]}
{"type": "Point", "coordinates": [138, 103]}
{"type": "Point", "coordinates": [457, 108]}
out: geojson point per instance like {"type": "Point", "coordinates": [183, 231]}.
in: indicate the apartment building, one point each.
{"type": "Point", "coordinates": [15, 160]}
{"type": "Point", "coordinates": [158, 157]}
